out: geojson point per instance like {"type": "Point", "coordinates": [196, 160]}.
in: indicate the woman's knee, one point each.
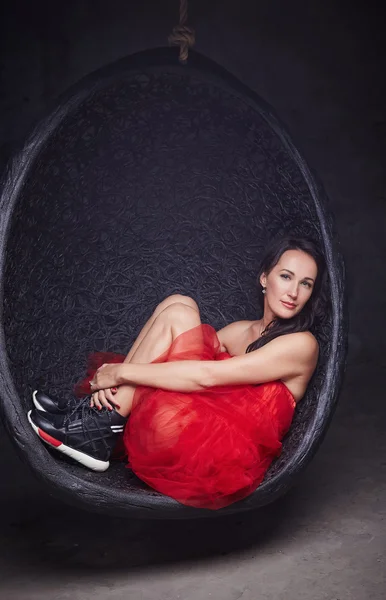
{"type": "Point", "coordinates": [179, 312]}
{"type": "Point", "coordinates": [176, 299]}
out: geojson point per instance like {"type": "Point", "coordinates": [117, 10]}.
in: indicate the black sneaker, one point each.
{"type": "Point", "coordinates": [54, 406]}
{"type": "Point", "coordinates": [86, 434]}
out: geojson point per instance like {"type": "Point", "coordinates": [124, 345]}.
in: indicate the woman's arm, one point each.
{"type": "Point", "coordinates": [285, 357]}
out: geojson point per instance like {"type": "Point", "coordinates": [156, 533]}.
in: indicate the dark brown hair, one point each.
{"type": "Point", "coordinates": [315, 307]}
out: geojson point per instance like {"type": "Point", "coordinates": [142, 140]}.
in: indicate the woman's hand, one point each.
{"type": "Point", "coordinates": [104, 398]}
{"type": "Point", "coordinates": [104, 385]}
{"type": "Point", "coordinates": [107, 376]}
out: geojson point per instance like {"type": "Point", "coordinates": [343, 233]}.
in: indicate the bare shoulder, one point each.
{"type": "Point", "coordinates": [303, 343]}
{"type": "Point", "coordinates": [232, 334]}
{"type": "Point", "coordinates": [234, 327]}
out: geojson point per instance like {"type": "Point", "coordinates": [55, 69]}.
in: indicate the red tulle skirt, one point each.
{"type": "Point", "coordinates": [206, 449]}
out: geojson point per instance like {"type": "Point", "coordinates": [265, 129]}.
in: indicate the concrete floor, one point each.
{"type": "Point", "coordinates": [325, 540]}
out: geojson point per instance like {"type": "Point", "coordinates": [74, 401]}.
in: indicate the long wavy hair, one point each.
{"type": "Point", "coordinates": [315, 308]}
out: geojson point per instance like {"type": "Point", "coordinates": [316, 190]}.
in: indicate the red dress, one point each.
{"type": "Point", "coordinates": [210, 448]}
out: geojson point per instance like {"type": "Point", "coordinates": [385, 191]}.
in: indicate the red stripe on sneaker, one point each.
{"type": "Point", "coordinates": [49, 438]}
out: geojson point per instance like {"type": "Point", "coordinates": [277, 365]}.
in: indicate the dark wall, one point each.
{"type": "Point", "coordinates": [320, 64]}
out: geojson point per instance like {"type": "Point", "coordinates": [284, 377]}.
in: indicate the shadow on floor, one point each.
{"type": "Point", "coordinates": [39, 531]}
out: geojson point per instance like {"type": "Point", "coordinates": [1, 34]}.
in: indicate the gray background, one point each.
{"type": "Point", "coordinates": [321, 65]}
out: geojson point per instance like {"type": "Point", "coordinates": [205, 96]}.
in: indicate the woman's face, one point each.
{"type": "Point", "coordinates": [289, 284]}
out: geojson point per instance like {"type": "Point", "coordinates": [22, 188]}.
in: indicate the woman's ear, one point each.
{"type": "Point", "coordinates": [263, 280]}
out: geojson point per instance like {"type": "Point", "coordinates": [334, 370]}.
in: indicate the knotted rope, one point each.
{"type": "Point", "coordinates": [183, 35]}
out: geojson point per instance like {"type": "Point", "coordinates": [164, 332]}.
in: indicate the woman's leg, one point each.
{"type": "Point", "coordinates": [89, 438]}
{"type": "Point", "coordinates": [168, 321]}
{"type": "Point", "coordinates": [175, 298]}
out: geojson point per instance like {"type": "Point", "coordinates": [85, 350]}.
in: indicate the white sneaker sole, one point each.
{"type": "Point", "coordinates": [84, 459]}
{"type": "Point", "coordinates": [36, 402]}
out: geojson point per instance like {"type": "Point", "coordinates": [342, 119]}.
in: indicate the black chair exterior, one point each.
{"type": "Point", "coordinates": [150, 178]}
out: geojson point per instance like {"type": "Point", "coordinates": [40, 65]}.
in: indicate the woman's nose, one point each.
{"type": "Point", "coordinates": [293, 291]}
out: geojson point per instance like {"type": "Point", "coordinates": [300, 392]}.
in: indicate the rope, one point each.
{"type": "Point", "coordinates": [183, 35]}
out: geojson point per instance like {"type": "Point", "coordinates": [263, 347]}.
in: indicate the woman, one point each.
{"type": "Point", "coordinates": [207, 410]}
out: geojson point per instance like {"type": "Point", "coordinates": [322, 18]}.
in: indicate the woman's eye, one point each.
{"type": "Point", "coordinates": [284, 275]}
{"type": "Point", "coordinates": [307, 284]}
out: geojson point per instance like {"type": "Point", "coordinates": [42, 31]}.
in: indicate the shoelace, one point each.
{"type": "Point", "coordinates": [88, 414]}
{"type": "Point", "coordinates": [69, 404]}
{"type": "Point", "coordinates": [74, 406]}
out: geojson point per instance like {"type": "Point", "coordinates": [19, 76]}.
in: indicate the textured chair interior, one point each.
{"type": "Point", "coordinates": [150, 178]}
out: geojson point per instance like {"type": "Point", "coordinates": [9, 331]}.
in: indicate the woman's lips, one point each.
{"type": "Point", "coordinates": [288, 305]}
